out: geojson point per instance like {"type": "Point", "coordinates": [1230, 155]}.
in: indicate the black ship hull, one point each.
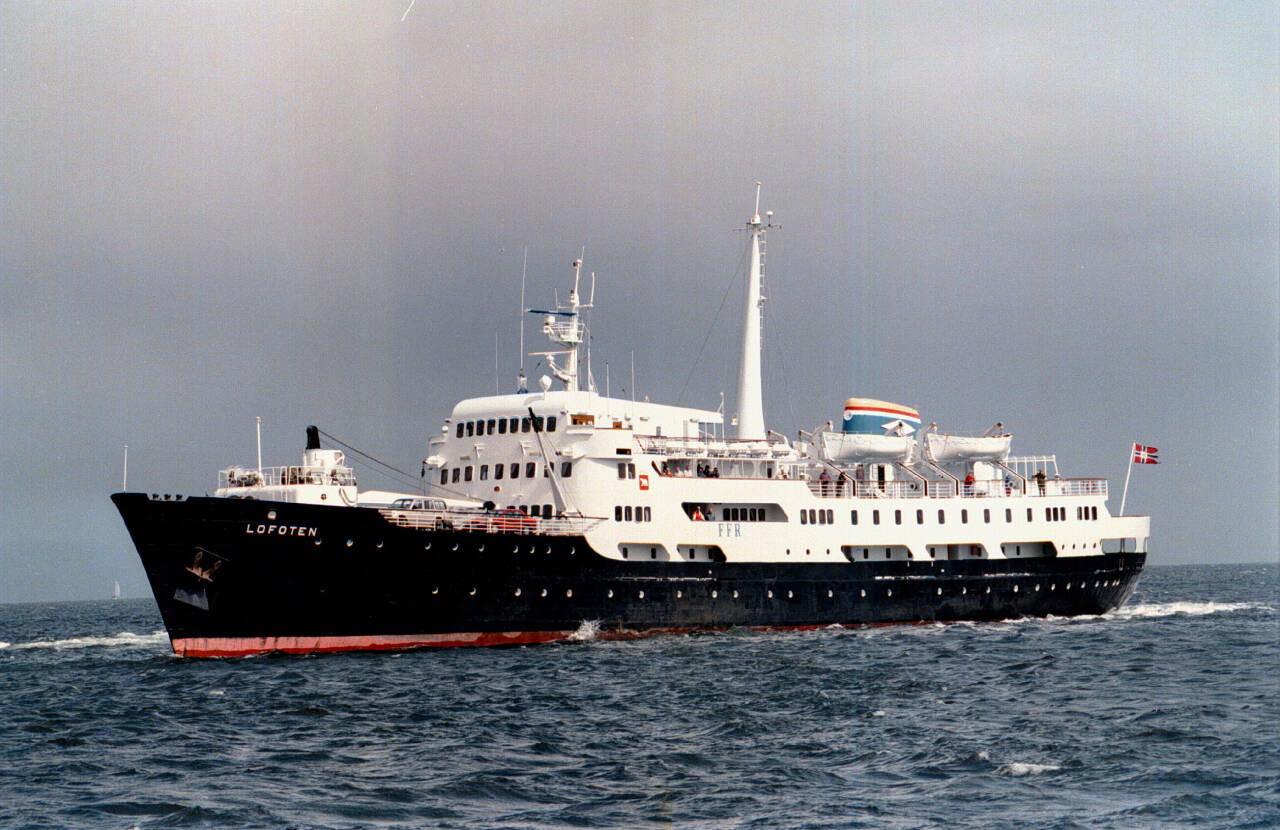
{"type": "Point", "coordinates": [235, 577]}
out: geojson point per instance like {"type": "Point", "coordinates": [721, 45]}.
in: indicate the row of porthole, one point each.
{"type": "Point", "coordinates": [790, 595]}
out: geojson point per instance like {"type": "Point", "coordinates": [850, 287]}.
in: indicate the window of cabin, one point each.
{"type": "Point", "coordinates": [1008, 514]}
{"type": "Point", "coordinates": [897, 517]}
{"type": "Point", "coordinates": [566, 469]}
{"type": "Point", "coordinates": [491, 427]}
{"type": "Point", "coordinates": [471, 428]}
{"type": "Point", "coordinates": [1048, 514]}
{"type": "Point", "coordinates": [942, 517]}
{"type": "Point", "coordinates": [631, 471]}
{"type": "Point", "coordinates": [466, 474]}
{"type": "Point", "coordinates": [804, 517]}
{"type": "Point", "coordinates": [484, 472]}
{"type": "Point", "coordinates": [875, 517]}
{"type": "Point", "coordinates": [498, 469]}
{"type": "Point", "coordinates": [648, 514]}
{"type": "Point", "coordinates": [831, 517]}
{"type": "Point", "coordinates": [986, 516]}
{"type": "Point", "coordinates": [537, 423]}
{"type": "Point", "coordinates": [456, 472]}
{"type": "Point", "coordinates": [444, 476]}
{"type": "Point", "coordinates": [964, 517]}
{"type": "Point", "coordinates": [461, 427]}
{"type": "Point", "coordinates": [530, 470]}
{"type": "Point", "coordinates": [622, 469]}
{"type": "Point", "coordinates": [524, 424]}
{"type": "Point", "coordinates": [626, 511]}
{"type": "Point", "coordinates": [546, 511]}
{"type": "Point", "coordinates": [1028, 514]}
{"type": "Point", "coordinates": [617, 512]}
{"type": "Point", "coordinates": [502, 426]}
{"type": "Point", "coordinates": [1094, 511]}
{"type": "Point", "coordinates": [513, 424]}
{"type": "Point", "coordinates": [551, 423]}
{"type": "Point", "coordinates": [919, 517]}
{"type": "Point", "coordinates": [853, 517]}
{"type": "Point", "coordinates": [515, 469]}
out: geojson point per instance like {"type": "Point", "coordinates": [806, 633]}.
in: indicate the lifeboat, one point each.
{"type": "Point", "coordinates": [944, 447]}
{"type": "Point", "coordinates": [873, 430]}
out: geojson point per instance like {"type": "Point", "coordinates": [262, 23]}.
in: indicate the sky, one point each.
{"type": "Point", "coordinates": [1064, 217]}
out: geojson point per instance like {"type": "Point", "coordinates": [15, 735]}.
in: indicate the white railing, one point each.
{"type": "Point", "coordinates": [490, 522]}
{"type": "Point", "coordinates": [280, 476]}
{"type": "Point", "coordinates": [995, 488]}
{"type": "Point", "coordinates": [717, 448]}
{"type": "Point", "coordinates": [1068, 487]}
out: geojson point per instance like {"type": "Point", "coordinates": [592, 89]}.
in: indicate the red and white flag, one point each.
{"type": "Point", "coordinates": [1145, 455]}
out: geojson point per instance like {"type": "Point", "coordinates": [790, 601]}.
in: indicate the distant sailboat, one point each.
{"type": "Point", "coordinates": [115, 591]}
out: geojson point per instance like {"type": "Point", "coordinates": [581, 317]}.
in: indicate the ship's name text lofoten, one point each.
{"type": "Point", "coordinates": [280, 530]}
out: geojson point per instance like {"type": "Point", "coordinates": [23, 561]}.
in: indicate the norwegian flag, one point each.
{"type": "Point", "coordinates": [1145, 455]}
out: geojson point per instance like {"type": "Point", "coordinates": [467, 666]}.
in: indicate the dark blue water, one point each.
{"type": "Point", "coordinates": [1163, 714]}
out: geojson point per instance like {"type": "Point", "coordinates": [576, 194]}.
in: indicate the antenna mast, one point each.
{"type": "Point", "coordinates": [750, 396]}
{"type": "Point", "coordinates": [522, 383]}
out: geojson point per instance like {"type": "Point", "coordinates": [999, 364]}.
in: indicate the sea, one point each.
{"type": "Point", "coordinates": [1162, 714]}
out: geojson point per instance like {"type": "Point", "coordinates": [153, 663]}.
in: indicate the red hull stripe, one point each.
{"type": "Point", "coordinates": [243, 646]}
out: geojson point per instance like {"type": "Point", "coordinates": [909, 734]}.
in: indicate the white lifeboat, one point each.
{"type": "Point", "coordinates": [943, 447]}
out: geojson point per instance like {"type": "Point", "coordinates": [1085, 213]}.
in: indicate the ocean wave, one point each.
{"type": "Point", "coordinates": [586, 632]}
{"type": "Point", "coordinates": [1148, 610]}
{"type": "Point", "coordinates": [125, 639]}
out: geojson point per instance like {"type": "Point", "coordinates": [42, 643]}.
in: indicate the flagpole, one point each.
{"type": "Point", "coordinates": [1124, 495]}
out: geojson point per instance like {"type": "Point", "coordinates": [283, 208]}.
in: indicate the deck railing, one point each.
{"type": "Point", "coordinates": [278, 476]}
{"type": "Point", "coordinates": [995, 488]}
{"type": "Point", "coordinates": [490, 522]}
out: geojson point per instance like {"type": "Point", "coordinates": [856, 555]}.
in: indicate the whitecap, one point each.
{"type": "Point", "coordinates": [586, 631]}
{"type": "Point", "coordinates": [125, 639]}
{"type": "Point", "coordinates": [1149, 610]}
{"type": "Point", "coordinates": [1017, 769]}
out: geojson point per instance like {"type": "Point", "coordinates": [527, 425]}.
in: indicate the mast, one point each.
{"type": "Point", "coordinates": [563, 325]}
{"type": "Point", "coordinates": [750, 398]}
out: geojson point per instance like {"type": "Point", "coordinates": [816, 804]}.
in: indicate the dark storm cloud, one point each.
{"type": "Point", "coordinates": [1059, 216]}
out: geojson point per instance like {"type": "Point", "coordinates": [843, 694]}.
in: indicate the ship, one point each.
{"type": "Point", "coordinates": [558, 513]}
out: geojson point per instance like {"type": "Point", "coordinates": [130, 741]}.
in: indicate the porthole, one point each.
{"type": "Point", "coordinates": [790, 595]}
{"type": "Point", "coordinates": [479, 548]}
{"type": "Point", "coordinates": [1015, 589]}
{"type": "Point", "coordinates": [769, 594]}
{"type": "Point", "coordinates": [548, 549]}
{"type": "Point", "coordinates": [544, 592]}
{"type": "Point", "coordinates": [988, 589]}
{"type": "Point", "coordinates": [642, 595]}
{"type": "Point", "coordinates": [964, 591]}
{"type": "Point", "coordinates": [271, 514]}
{"type": "Point", "coordinates": [714, 594]}
{"type": "Point", "coordinates": [517, 592]}
{"type": "Point", "coordinates": [473, 592]}
{"type": "Point", "coordinates": [1037, 586]}
{"type": "Point", "coordinates": [455, 545]}
{"type": "Point", "coordinates": [863, 592]}
{"type": "Point", "coordinates": [735, 594]}
{"type": "Point", "coordinates": [1053, 586]}
{"type": "Point", "coordinates": [317, 543]}
{"type": "Point", "coordinates": [379, 544]}
{"type": "Point", "coordinates": [435, 590]}
{"type": "Point", "coordinates": [610, 593]}
{"type": "Point", "coordinates": [350, 542]}
{"type": "Point", "coordinates": [889, 592]}
{"type": "Point", "coordinates": [572, 550]}
{"type": "Point", "coordinates": [515, 548]}
{"type": "Point", "coordinates": [679, 595]}
{"type": "Point", "coordinates": [427, 546]}
{"type": "Point", "coordinates": [939, 592]}
{"type": "Point", "coordinates": [829, 594]}
{"type": "Point", "coordinates": [568, 593]}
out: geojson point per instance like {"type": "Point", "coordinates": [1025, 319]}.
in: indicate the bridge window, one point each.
{"type": "Point", "coordinates": [471, 428]}
{"type": "Point", "coordinates": [461, 426]}
{"type": "Point", "coordinates": [524, 424]}
{"type": "Point", "coordinates": [537, 423]}
{"type": "Point", "coordinates": [502, 426]}
{"type": "Point", "coordinates": [492, 425]}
